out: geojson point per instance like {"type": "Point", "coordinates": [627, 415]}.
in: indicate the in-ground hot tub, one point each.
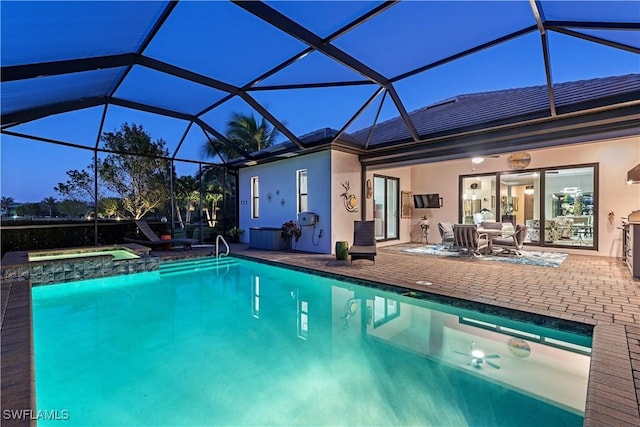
{"type": "Point", "coordinates": [116, 252]}
{"type": "Point", "coordinates": [71, 264]}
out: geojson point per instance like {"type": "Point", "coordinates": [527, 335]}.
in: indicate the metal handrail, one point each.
{"type": "Point", "coordinates": [218, 238]}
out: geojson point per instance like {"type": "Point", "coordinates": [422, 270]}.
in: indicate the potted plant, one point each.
{"type": "Point", "coordinates": [290, 231]}
{"type": "Point", "coordinates": [235, 233]}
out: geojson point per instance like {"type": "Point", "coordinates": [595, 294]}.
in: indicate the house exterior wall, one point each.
{"type": "Point", "coordinates": [615, 158]}
{"type": "Point", "coordinates": [344, 168]}
{"type": "Point", "coordinates": [279, 180]}
{"type": "Point", "coordinates": [406, 224]}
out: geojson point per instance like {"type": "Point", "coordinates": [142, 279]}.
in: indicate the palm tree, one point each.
{"type": "Point", "coordinates": [5, 204]}
{"type": "Point", "coordinates": [49, 203]}
{"type": "Point", "coordinates": [246, 132]}
{"type": "Point", "coordinates": [186, 194]}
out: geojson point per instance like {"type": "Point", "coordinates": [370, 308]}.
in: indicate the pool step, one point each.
{"type": "Point", "coordinates": [200, 264]}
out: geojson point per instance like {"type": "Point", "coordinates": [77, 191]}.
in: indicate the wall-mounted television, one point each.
{"type": "Point", "coordinates": [427, 201]}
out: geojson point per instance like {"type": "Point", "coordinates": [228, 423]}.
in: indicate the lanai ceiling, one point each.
{"type": "Point", "coordinates": [347, 66]}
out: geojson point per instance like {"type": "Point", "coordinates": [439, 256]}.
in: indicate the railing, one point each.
{"type": "Point", "coordinates": [218, 239]}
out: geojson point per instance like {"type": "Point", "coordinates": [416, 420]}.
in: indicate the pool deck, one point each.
{"type": "Point", "coordinates": [590, 290]}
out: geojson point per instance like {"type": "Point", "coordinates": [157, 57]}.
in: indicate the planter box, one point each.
{"type": "Point", "coordinates": [267, 238]}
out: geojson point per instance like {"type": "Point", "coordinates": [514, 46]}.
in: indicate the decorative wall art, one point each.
{"type": "Point", "coordinates": [350, 201]}
{"type": "Point", "coordinates": [405, 203]}
{"type": "Point", "coordinates": [369, 189]}
{"type": "Point", "coordinates": [519, 160]}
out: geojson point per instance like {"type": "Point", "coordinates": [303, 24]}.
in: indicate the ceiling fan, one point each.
{"type": "Point", "coordinates": [478, 358]}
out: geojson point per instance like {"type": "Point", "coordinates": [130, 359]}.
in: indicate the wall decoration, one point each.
{"type": "Point", "coordinates": [405, 203]}
{"type": "Point", "coordinates": [519, 160]}
{"type": "Point", "coordinates": [369, 189]}
{"type": "Point", "coordinates": [350, 202]}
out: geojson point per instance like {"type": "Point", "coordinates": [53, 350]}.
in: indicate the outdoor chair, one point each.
{"type": "Point", "coordinates": [364, 241]}
{"type": "Point", "coordinates": [154, 240]}
{"type": "Point", "coordinates": [446, 233]}
{"type": "Point", "coordinates": [467, 238]}
{"type": "Point", "coordinates": [514, 243]}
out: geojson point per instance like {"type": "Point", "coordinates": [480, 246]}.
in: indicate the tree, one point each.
{"type": "Point", "coordinates": [212, 196]}
{"type": "Point", "coordinates": [246, 132]}
{"type": "Point", "coordinates": [79, 186]}
{"type": "Point", "coordinates": [141, 181]}
{"type": "Point", "coordinates": [72, 208]}
{"type": "Point", "coordinates": [109, 207]}
{"type": "Point", "coordinates": [28, 209]}
{"type": "Point", "coordinates": [49, 203]}
{"type": "Point", "coordinates": [5, 204]}
{"type": "Point", "coordinates": [186, 195]}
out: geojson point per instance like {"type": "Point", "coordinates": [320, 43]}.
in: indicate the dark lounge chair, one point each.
{"type": "Point", "coordinates": [364, 241]}
{"type": "Point", "coordinates": [155, 240]}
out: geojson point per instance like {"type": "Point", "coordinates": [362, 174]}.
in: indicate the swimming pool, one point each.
{"type": "Point", "coordinates": [237, 342]}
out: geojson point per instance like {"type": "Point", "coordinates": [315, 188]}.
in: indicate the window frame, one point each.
{"type": "Point", "coordinates": [299, 173]}
{"type": "Point", "coordinates": [255, 197]}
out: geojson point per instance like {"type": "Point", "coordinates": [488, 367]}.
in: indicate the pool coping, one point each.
{"type": "Point", "coordinates": [612, 398]}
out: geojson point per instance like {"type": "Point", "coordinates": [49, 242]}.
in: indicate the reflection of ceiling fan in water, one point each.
{"type": "Point", "coordinates": [478, 358]}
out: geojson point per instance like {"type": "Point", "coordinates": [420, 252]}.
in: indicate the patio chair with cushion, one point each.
{"type": "Point", "coordinates": [154, 240]}
{"type": "Point", "coordinates": [364, 241]}
{"type": "Point", "coordinates": [514, 243]}
{"type": "Point", "coordinates": [467, 238]}
{"type": "Point", "coordinates": [446, 233]}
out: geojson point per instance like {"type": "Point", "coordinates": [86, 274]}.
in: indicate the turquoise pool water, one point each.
{"type": "Point", "coordinates": [245, 344]}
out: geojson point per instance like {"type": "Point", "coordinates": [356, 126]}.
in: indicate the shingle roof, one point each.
{"type": "Point", "coordinates": [471, 111]}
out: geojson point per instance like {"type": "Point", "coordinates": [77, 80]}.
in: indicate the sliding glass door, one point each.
{"type": "Point", "coordinates": [386, 195]}
{"type": "Point", "coordinates": [558, 205]}
{"type": "Point", "coordinates": [571, 206]}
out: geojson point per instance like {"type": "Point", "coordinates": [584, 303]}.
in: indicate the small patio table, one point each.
{"type": "Point", "coordinates": [491, 232]}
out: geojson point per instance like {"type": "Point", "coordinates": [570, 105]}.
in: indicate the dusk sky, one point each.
{"type": "Point", "coordinates": [227, 43]}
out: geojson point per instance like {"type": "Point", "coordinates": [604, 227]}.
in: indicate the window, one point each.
{"type": "Point", "coordinates": [303, 205]}
{"type": "Point", "coordinates": [255, 198]}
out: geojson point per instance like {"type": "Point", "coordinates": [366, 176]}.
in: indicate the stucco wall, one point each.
{"type": "Point", "coordinates": [409, 228]}
{"type": "Point", "coordinates": [279, 180]}
{"type": "Point", "coordinates": [615, 158]}
{"type": "Point", "coordinates": [329, 171]}
{"type": "Point", "coordinates": [345, 168]}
